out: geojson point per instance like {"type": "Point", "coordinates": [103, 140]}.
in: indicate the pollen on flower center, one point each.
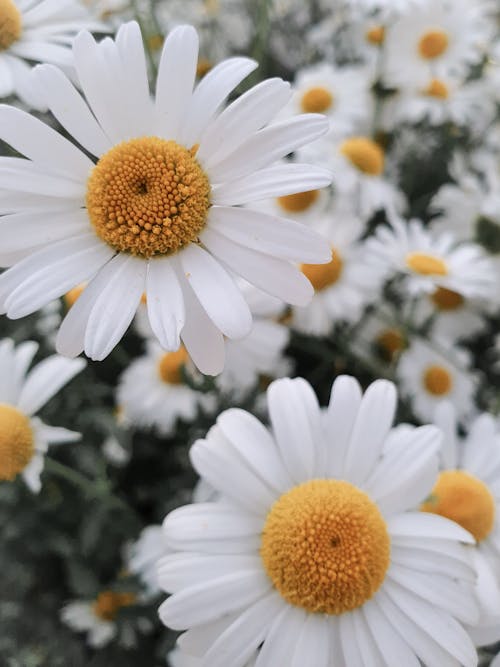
{"type": "Point", "coordinates": [148, 197]}
{"type": "Point", "coordinates": [170, 366]}
{"type": "Point", "coordinates": [437, 380]}
{"type": "Point", "coordinates": [324, 275]}
{"type": "Point", "coordinates": [298, 202]}
{"type": "Point", "coordinates": [390, 343]}
{"type": "Point", "coordinates": [447, 299]}
{"type": "Point", "coordinates": [325, 546]}
{"type": "Point", "coordinates": [16, 442]}
{"type": "Point", "coordinates": [426, 265]}
{"type": "Point", "coordinates": [376, 35]}
{"type": "Point", "coordinates": [465, 499]}
{"type": "Point", "coordinates": [365, 154]}
{"type": "Point", "coordinates": [108, 604]}
{"type": "Point", "coordinates": [433, 44]}
{"type": "Point", "coordinates": [437, 89]}
{"type": "Point", "coordinates": [10, 24]}
{"type": "Point", "coordinates": [316, 100]}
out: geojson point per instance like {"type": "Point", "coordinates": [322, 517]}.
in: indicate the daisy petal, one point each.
{"type": "Point", "coordinates": [392, 646]}
{"type": "Point", "coordinates": [344, 404]}
{"type": "Point", "coordinates": [279, 645]}
{"type": "Point", "coordinates": [412, 524]}
{"type": "Point", "coordinates": [45, 380]}
{"type": "Point", "coordinates": [165, 303]}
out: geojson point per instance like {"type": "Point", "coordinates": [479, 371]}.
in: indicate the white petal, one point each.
{"type": "Point", "coordinates": [392, 646]}
{"type": "Point", "coordinates": [345, 400]}
{"type": "Point", "coordinates": [424, 524]}
{"type": "Point", "coordinates": [31, 474]}
{"type": "Point", "coordinates": [45, 380]}
{"type": "Point", "coordinates": [313, 645]}
{"type": "Point", "coordinates": [165, 303]}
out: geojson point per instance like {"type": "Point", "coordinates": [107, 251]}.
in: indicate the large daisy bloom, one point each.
{"type": "Point", "coordinates": [24, 438]}
{"type": "Point", "coordinates": [312, 552]}
{"type": "Point", "coordinates": [468, 492]}
{"type": "Point", "coordinates": [156, 212]}
{"type": "Point", "coordinates": [37, 31]}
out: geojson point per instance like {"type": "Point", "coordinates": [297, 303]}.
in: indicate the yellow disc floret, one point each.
{"type": "Point", "coordinates": [16, 442]}
{"type": "Point", "coordinates": [148, 197]}
{"type": "Point", "coordinates": [375, 35]}
{"type": "Point", "coordinates": [298, 202]}
{"type": "Point", "coordinates": [325, 546]}
{"type": "Point", "coordinates": [324, 275]}
{"type": "Point", "coordinates": [447, 299]}
{"type": "Point", "coordinates": [71, 297]}
{"type": "Point", "coordinates": [433, 44]}
{"type": "Point", "coordinates": [437, 89]}
{"type": "Point", "coordinates": [465, 499]}
{"type": "Point", "coordinates": [316, 100]}
{"type": "Point", "coordinates": [426, 265]}
{"type": "Point", "coordinates": [171, 364]}
{"type": "Point", "coordinates": [437, 380]}
{"type": "Point", "coordinates": [10, 24]}
{"type": "Point", "coordinates": [108, 604]}
{"type": "Point", "coordinates": [390, 343]}
{"type": "Point", "coordinates": [365, 154]}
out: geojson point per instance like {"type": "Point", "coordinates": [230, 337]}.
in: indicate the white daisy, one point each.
{"type": "Point", "coordinates": [430, 261]}
{"type": "Point", "coordinates": [312, 553]}
{"type": "Point", "coordinates": [97, 617]}
{"type": "Point", "coordinates": [430, 372]}
{"type": "Point", "coordinates": [468, 492]}
{"type": "Point", "coordinates": [388, 7]}
{"type": "Point", "coordinates": [453, 317]}
{"type": "Point", "coordinates": [152, 392]}
{"type": "Point", "coordinates": [24, 438]}
{"type": "Point", "coordinates": [37, 31]}
{"type": "Point", "coordinates": [384, 336]}
{"type": "Point", "coordinates": [344, 286]}
{"type": "Point", "coordinates": [443, 37]}
{"type": "Point", "coordinates": [143, 556]}
{"type": "Point", "coordinates": [157, 214]}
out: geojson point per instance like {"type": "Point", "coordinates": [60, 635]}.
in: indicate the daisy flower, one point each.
{"type": "Point", "coordinates": [384, 336]}
{"type": "Point", "coordinates": [143, 556]}
{"type": "Point", "coordinates": [156, 212]}
{"type": "Point", "coordinates": [453, 316]}
{"type": "Point", "coordinates": [152, 392]}
{"type": "Point", "coordinates": [24, 438]}
{"type": "Point", "coordinates": [37, 31]}
{"type": "Point", "coordinates": [312, 553]}
{"type": "Point", "coordinates": [431, 261]}
{"type": "Point", "coordinates": [468, 492]}
{"type": "Point", "coordinates": [430, 374]}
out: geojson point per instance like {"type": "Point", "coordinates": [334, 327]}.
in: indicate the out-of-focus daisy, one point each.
{"type": "Point", "coordinates": [468, 492]}
{"type": "Point", "coordinates": [24, 438]}
{"type": "Point", "coordinates": [431, 261]}
{"type": "Point", "coordinates": [143, 556]}
{"type": "Point", "coordinates": [312, 550]}
{"type": "Point", "coordinates": [37, 31]}
{"type": "Point", "coordinates": [345, 285]}
{"type": "Point", "coordinates": [384, 336]}
{"type": "Point", "coordinates": [453, 316]}
{"type": "Point", "coordinates": [443, 37]}
{"type": "Point", "coordinates": [303, 207]}
{"type": "Point", "coordinates": [387, 7]}
{"type": "Point", "coordinates": [430, 372]}
{"type": "Point", "coordinates": [157, 214]}
{"type": "Point", "coordinates": [152, 392]}
{"type": "Point", "coordinates": [98, 618]}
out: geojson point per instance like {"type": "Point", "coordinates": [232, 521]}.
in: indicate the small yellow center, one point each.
{"type": "Point", "coordinates": [155, 42]}
{"type": "Point", "coordinates": [203, 67]}
{"type": "Point", "coordinates": [316, 100]}
{"type": "Point", "coordinates": [16, 442]}
{"type": "Point", "coordinates": [71, 297]}
{"type": "Point", "coordinates": [433, 44]}
{"type": "Point", "coordinates": [148, 197]}
{"type": "Point", "coordinates": [437, 89]}
{"type": "Point", "coordinates": [447, 299]}
{"type": "Point", "coordinates": [426, 265]}
{"type": "Point", "coordinates": [325, 546]}
{"type": "Point", "coordinates": [324, 275]}
{"type": "Point", "coordinates": [171, 364]}
{"type": "Point", "coordinates": [108, 604]}
{"type": "Point", "coordinates": [365, 154]}
{"type": "Point", "coordinates": [390, 342]}
{"type": "Point", "coordinates": [10, 24]}
{"type": "Point", "coordinates": [437, 380]}
{"type": "Point", "coordinates": [376, 35]}
{"type": "Point", "coordinates": [298, 202]}
{"type": "Point", "coordinates": [465, 499]}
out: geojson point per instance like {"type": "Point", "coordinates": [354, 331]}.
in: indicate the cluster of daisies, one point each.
{"type": "Point", "coordinates": [205, 232]}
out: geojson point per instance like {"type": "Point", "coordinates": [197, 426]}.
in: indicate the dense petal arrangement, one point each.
{"type": "Point", "coordinates": [313, 552]}
{"type": "Point", "coordinates": [158, 214]}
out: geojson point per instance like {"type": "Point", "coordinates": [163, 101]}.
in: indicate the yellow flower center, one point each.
{"type": "Point", "coordinates": [426, 265]}
{"type": "Point", "coordinates": [10, 24]}
{"type": "Point", "coordinates": [437, 89]}
{"type": "Point", "coordinates": [71, 297]}
{"type": "Point", "coordinates": [155, 42]}
{"type": "Point", "coordinates": [171, 364]}
{"type": "Point", "coordinates": [212, 7]}
{"type": "Point", "coordinates": [148, 197]}
{"type": "Point", "coordinates": [433, 44]}
{"type": "Point", "coordinates": [324, 275]}
{"type": "Point", "coordinates": [390, 343]}
{"type": "Point", "coordinates": [316, 100]}
{"type": "Point", "coordinates": [376, 35]}
{"type": "Point", "coordinates": [108, 604]}
{"type": "Point", "coordinates": [16, 442]}
{"type": "Point", "coordinates": [447, 299]}
{"type": "Point", "coordinates": [325, 546]}
{"type": "Point", "coordinates": [203, 67]}
{"type": "Point", "coordinates": [365, 154]}
{"type": "Point", "coordinates": [437, 380]}
{"type": "Point", "coordinates": [465, 499]}
{"type": "Point", "coordinates": [298, 202]}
